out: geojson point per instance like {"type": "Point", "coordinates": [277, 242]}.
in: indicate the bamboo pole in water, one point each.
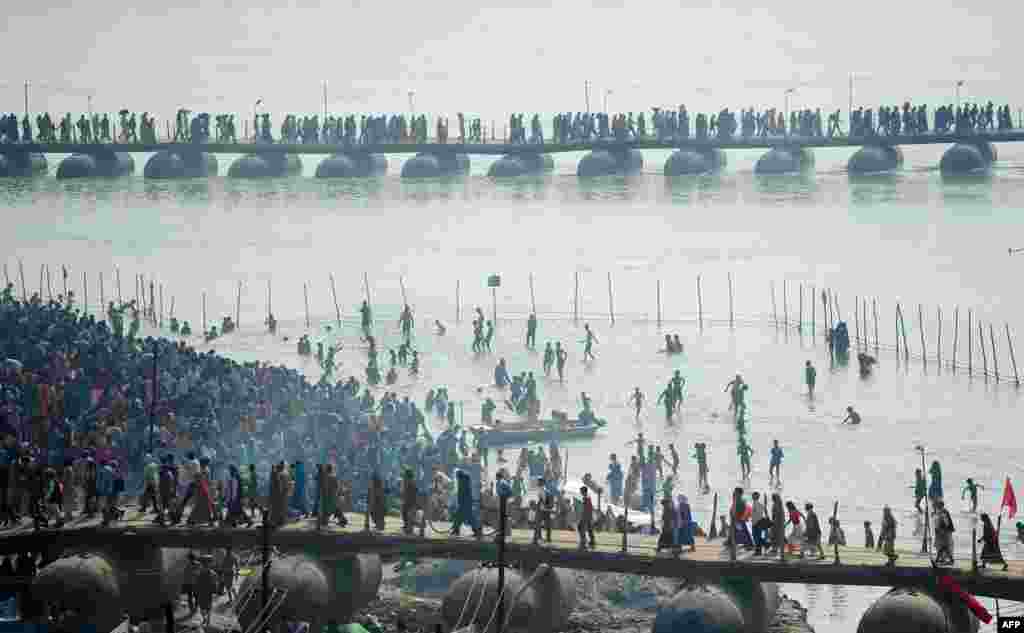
{"type": "Point", "coordinates": [1013, 359]}
{"type": "Point", "coordinates": [117, 272]}
{"type": "Point", "coordinates": [775, 312]}
{"type": "Point", "coordinates": [984, 357]}
{"type": "Point", "coordinates": [731, 320]}
{"type": "Point", "coordinates": [24, 288]}
{"type": "Point", "coordinates": [49, 283]}
{"type": "Point", "coordinates": [334, 293]}
{"type": "Point", "coordinates": [906, 346]}
{"type": "Point", "coordinates": [611, 308]}
{"type": "Point", "coordinates": [970, 346]}
{"type": "Point", "coordinates": [700, 305]}
{"type": "Point", "coordinates": [238, 306]}
{"type": "Point", "coordinates": [995, 355]}
{"type": "Point", "coordinates": [533, 296]}
{"type": "Point", "coordinates": [576, 301]}
{"type": "Point", "coordinates": [856, 322]}
{"type": "Point", "coordinates": [864, 316]}
{"type": "Point", "coordinates": [785, 308]}
{"type": "Point", "coordinates": [64, 274]}
{"type": "Point", "coordinates": [956, 334]}
{"type": "Point", "coordinates": [305, 294]}
{"type": "Point", "coordinates": [874, 312]}
{"type": "Point", "coordinates": [920, 323]}
{"type": "Point", "coordinates": [800, 313]}
{"type": "Point", "coordinates": [658, 299]}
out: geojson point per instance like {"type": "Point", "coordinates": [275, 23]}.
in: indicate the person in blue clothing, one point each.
{"type": "Point", "coordinates": [298, 502]}
{"type": "Point", "coordinates": [775, 463]}
{"type": "Point", "coordinates": [501, 377]}
{"type": "Point", "coordinates": [935, 486]}
{"type": "Point", "coordinates": [614, 479]}
{"type": "Point", "coordinates": [464, 505]}
{"type": "Point", "coordinates": [504, 490]}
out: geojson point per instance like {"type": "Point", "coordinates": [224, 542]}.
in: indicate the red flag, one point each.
{"type": "Point", "coordinates": [1009, 499]}
{"type": "Point", "coordinates": [948, 584]}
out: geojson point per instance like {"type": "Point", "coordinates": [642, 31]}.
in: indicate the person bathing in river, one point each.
{"type": "Point", "coordinates": [668, 397]}
{"type": "Point", "coordinates": [971, 487]}
{"type": "Point", "coordinates": [852, 417]}
{"type": "Point", "coordinates": [588, 343]}
{"type": "Point", "coordinates": [775, 464]}
{"type": "Point", "coordinates": [637, 400]}
{"type": "Point", "coordinates": [549, 358]}
{"type": "Point", "coordinates": [734, 387]}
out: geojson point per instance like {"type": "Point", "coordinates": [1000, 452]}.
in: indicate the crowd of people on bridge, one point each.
{"type": "Point", "coordinates": [663, 125]}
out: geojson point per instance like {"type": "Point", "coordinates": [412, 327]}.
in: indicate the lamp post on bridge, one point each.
{"type": "Point", "coordinates": [789, 91]}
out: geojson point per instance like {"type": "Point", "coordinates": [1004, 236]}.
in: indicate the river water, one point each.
{"type": "Point", "coordinates": [912, 238]}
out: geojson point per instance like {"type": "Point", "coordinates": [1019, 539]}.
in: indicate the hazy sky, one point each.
{"type": "Point", "coordinates": [489, 59]}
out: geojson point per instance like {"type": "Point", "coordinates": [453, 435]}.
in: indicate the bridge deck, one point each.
{"type": "Point", "coordinates": [517, 148]}
{"type": "Point", "coordinates": [858, 566]}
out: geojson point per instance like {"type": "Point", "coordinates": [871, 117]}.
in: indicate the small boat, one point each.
{"type": "Point", "coordinates": [525, 432]}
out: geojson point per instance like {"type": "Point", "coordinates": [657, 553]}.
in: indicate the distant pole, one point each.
{"type": "Point", "coordinates": [731, 321]}
{"type": "Point", "coordinates": [103, 299]}
{"type": "Point", "coordinates": [700, 306]}
{"type": "Point", "coordinates": [305, 293]}
{"type": "Point", "coordinates": [366, 287]}
{"type": "Point", "coordinates": [658, 296]}
{"type": "Point", "coordinates": [920, 323]}
{"type": "Point", "coordinates": [956, 333]}
{"type": "Point", "coordinates": [984, 356]}
{"type": "Point", "coordinates": [1013, 359]}
{"type": "Point", "coordinates": [117, 272]}
{"type": "Point", "coordinates": [334, 293]}
{"type": "Point", "coordinates": [85, 291]}
{"type": "Point", "coordinates": [576, 302]}
{"type": "Point", "coordinates": [533, 297]}
{"type": "Point", "coordinates": [49, 282]}
{"type": "Point", "coordinates": [970, 347]}
{"type": "Point", "coordinates": [238, 305]}
{"type": "Point", "coordinates": [611, 307]}
{"type": "Point", "coordinates": [995, 356]}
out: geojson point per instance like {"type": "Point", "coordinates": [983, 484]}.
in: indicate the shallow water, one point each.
{"type": "Point", "coordinates": [911, 237]}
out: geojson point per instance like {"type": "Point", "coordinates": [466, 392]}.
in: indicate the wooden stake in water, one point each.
{"type": "Point", "coordinates": [903, 328]}
{"type": "Point", "coordinates": [856, 322]}
{"type": "Point", "coordinates": [1013, 359]}
{"type": "Point", "coordinates": [920, 322]}
{"type": "Point", "coordinates": [533, 297]}
{"type": "Point", "coordinates": [238, 306]}
{"type": "Point", "coordinates": [103, 298]}
{"type": "Point", "coordinates": [800, 312]}
{"type": "Point", "coordinates": [305, 294]}
{"type": "Point", "coordinates": [970, 346]}
{"type": "Point", "coordinates": [956, 334]}
{"type": "Point", "coordinates": [995, 356]}
{"type": "Point", "coordinates": [24, 288]}
{"type": "Point", "coordinates": [658, 299]}
{"type": "Point", "coordinates": [897, 332]}
{"type": "Point", "coordinates": [117, 272]}
{"type": "Point", "coordinates": [731, 321]}
{"type": "Point", "coordinates": [611, 307]}
{"type": "Point", "coordinates": [334, 293]}
{"type": "Point", "coordinates": [984, 357]}
{"type": "Point", "coordinates": [700, 305]}
{"type": "Point", "coordinates": [775, 312]}
{"type": "Point", "coordinates": [49, 283]}
{"type": "Point", "coordinates": [874, 312]}
{"type": "Point", "coordinates": [576, 301]}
